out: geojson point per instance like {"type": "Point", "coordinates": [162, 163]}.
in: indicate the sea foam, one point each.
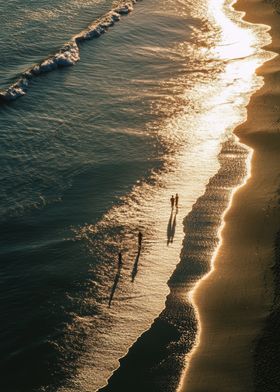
{"type": "Point", "coordinates": [69, 54]}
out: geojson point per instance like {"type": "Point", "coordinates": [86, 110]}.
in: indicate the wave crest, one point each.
{"type": "Point", "coordinates": [69, 54]}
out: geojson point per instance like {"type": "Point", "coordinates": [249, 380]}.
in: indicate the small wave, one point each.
{"type": "Point", "coordinates": [69, 54]}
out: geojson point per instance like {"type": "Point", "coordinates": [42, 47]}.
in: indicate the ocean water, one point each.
{"type": "Point", "coordinates": [91, 154]}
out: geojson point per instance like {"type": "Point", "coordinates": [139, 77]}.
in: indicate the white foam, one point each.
{"type": "Point", "coordinates": [69, 54]}
{"type": "Point", "coordinates": [124, 9]}
{"type": "Point", "coordinates": [98, 27]}
{"type": "Point", "coordinates": [16, 90]}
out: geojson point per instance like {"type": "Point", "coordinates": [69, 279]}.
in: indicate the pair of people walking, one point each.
{"type": "Point", "coordinates": [174, 201]}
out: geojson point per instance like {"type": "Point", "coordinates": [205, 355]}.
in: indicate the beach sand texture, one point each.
{"type": "Point", "coordinates": [237, 301]}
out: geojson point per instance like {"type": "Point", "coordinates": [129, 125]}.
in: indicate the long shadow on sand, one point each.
{"type": "Point", "coordinates": [135, 265]}
{"type": "Point", "coordinates": [155, 361]}
{"type": "Point", "coordinates": [116, 281]}
{"type": "Point", "coordinates": [171, 226]}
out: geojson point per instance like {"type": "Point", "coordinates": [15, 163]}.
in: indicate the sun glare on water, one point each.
{"type": "Point", "coordinates": [240, 48]}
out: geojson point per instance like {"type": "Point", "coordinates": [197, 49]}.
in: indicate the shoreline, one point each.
{"type": "Point", "coordinates": [266, 356]}
{"type": "Point", "coordinates": [156, 360]}
{"type": "Point", "coordinates": [236, 299]}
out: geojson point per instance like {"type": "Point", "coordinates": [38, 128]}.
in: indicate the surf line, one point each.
{"type": "Point", "coordinates": [69, 53]}
{"type": "Point", "coordinates": [191, 296]}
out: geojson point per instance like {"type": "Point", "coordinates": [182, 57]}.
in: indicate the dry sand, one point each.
{"type": "Point", "coordinates": [235, 300]}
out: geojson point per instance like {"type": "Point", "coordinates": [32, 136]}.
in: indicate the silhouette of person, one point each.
{"type": "Point", "coordinates": [172, 201]}
{"type": "Point", "coordinates": [140, 237]}
{"type": "Point", "coordinates": [176, 200]}
{"type": "Point", "coordinates": [120, 260]}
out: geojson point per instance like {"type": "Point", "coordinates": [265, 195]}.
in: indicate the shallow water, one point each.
{"type": "Point", "coordinates": [90, 156]}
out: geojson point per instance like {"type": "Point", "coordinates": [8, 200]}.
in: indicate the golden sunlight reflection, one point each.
{"type": "Point", "coordinates": [236, 41]}
{"type": "Point", "coordinates": [239, 46]}
{"type": "Point", "coordinates": [195, 124]}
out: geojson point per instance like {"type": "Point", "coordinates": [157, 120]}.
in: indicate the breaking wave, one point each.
{"type": "Point", "coordinates": [69, 54]}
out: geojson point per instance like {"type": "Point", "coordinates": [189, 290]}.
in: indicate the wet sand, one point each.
{"type": "Point", "coordinates": [237, 300]}
{"type": "Point", "coordinates": [156, 360]}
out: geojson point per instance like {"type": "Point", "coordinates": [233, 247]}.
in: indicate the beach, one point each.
{"type": "Point", "coordinates": [238, 300]}
{"type": "Point", "coordinates": [106, 111]}
{"type": "Point", "coordinates": [95, 138]}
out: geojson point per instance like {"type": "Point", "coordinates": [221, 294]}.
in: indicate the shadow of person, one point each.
{"type": "Point", "coordinates": [116, 281]}
{"type": "Point", "coordinates": [135, 265]}
{"type": "Point", "coordinates": [171, 227]}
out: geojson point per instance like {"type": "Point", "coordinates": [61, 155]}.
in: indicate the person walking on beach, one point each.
{"type": "Point", "coordinates": [172, 200]}
{"type": "Point", "coordinates": [176, 200]}
{"type": "Point", "coordinates": [140, 237]}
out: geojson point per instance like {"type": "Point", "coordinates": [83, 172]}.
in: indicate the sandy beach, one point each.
{"type": "Point", "coordinates": [108, 109]}
{"type": "Point", "coordinates": [237, 301]}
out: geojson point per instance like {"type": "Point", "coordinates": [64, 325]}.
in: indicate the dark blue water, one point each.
{"type": "Point", "coordinates": [89, 156]}
{"type": "Point", "coordinates": [69, 149]}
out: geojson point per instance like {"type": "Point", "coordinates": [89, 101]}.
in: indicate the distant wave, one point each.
{"type": "Point", "coordinates": [69, 54]}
